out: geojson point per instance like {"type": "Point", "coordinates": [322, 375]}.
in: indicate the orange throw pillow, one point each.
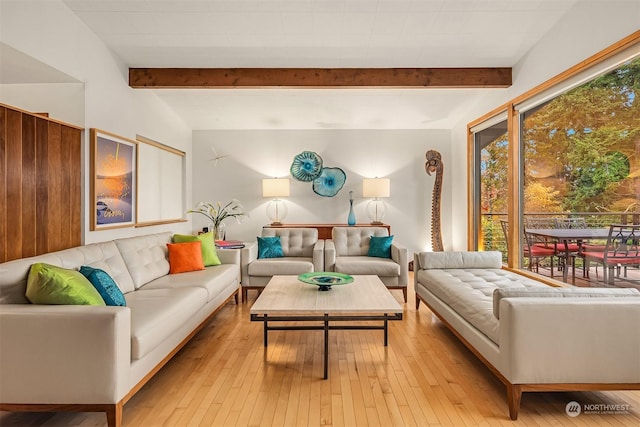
{"type": "Point", "coordinates": [185, 257]}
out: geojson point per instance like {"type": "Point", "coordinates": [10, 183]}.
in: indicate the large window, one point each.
{"type": "Point", "coordinates": [492, 149]}
{"type": "Point", "coordinates": [575, 153]}
{"type": "Point", "coordinates": [582, 149]}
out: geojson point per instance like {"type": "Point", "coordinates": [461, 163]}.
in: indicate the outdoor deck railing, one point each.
{"type": "Point", "coordinates": [493, 238]}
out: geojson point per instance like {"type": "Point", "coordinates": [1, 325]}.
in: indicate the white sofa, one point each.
{"type": "Point", "coordinates": [346, 252]}
{"type": "Point", "coordinates": [303, 253]}
{"type": "Point", "coordinates": [95, 358]}
{"type": "Point", "coordinates": [533, 337]}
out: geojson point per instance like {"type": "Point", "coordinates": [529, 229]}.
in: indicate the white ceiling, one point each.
{"type": "Point", "coordinates": [18, 68]}
{"type": "Point", "coordinates": [323, 34]}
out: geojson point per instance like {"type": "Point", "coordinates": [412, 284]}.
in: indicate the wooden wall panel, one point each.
{"type": "Point", "coordinates": [73, 138]}
{"type": "Point", "coordinates": [3, 184]}
{"type": "Point", "coordinates": [29, 206]}
{"type": "Point", "coordinates": [58, 200]}
{"type": "Point", "coordinates": [40, 184]}
{"type": "Point", "coordinates": [14, 184]}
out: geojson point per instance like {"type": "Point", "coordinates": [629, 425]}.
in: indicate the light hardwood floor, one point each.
{"type": "Point", "coordinates": [425, 377]}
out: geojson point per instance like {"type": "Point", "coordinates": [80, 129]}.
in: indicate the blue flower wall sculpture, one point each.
{"type": "Point", "coordinates": [330, 182]}
{"type": "Point", "coordinates": [306, 166]}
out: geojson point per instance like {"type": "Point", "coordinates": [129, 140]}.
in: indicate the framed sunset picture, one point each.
{"type": "Point", "coordinates": [113, 176]}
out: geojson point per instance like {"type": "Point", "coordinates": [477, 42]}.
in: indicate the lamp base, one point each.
{"type": "Point", "coordinates": [276, 223]}
{"type": "Point", "coordinates": [376, 210]}
{"type": "Point", "coordinates": [276, 211]}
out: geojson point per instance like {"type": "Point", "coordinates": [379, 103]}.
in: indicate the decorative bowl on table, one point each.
{"type": "Point", "coordinates": [325, 279]}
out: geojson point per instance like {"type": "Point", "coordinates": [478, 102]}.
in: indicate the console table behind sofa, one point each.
{"type": "Point", "coordinates": [324, 230]}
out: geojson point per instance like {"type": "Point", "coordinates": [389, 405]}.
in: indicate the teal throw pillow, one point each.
{"type": "Point", "coordinates": [380, 246]}
{"type": "Point", "coordinates": [269, 247]}
{"type": "Point", "coordinates": [105, 285]}
{"type": "Point", "coordinates": [209, 254]}
{"type": "Point", "coordinates": [49, 284]}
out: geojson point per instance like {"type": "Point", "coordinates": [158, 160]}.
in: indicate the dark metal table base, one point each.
{"type": "Point", "coordinates": [326, 327]}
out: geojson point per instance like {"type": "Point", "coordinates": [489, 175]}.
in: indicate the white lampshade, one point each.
{"type": "Point", "coordinates": [376, 187]}
{"type": "Point", "coordinates": [275, 187]}
{"type": "Point", "coordinates": [276, 208]}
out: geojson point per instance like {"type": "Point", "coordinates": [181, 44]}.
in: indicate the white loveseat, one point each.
{"type": "Point", "coordinates": [347, 252]}
{"type": "Point", "coordinates": [303, 253]}
{"type": "Point", "coordinates": [94, 358]}
{"type": "Point", "coordinates": [533, 337]}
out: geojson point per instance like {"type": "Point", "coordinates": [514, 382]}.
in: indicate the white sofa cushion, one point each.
{"type": "Point", "coordinates": [156, 313]}
{"type": "Point", "coordinates": [280, 266]}
{"type": "Point", "coordinates": [105, 255]}
{"type": "Point", "coordinates": [549, 292]}
{"type": "Point", "coordinates": [469, 292]}
{"type": "Point", "coordinates": [213, 279]}
{"type": "Point", "coordinates": [367, 265]}
{"type": "Point", "coordinates": [296, 242]}
{"type": "Point", "coordinates": [350, 241]}
{"type": "Point", "coordinates": [146, 256]}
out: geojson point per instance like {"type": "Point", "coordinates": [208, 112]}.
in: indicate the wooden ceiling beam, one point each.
{"type": "Point", "coordinates": [220, 78]}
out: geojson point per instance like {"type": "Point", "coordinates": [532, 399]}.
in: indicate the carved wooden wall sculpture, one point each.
{"type": "Point", "coordinates": [434, 164]}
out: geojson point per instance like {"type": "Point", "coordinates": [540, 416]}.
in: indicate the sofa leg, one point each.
{"type": "Point", "coordinates": [404, 293]}
{"type": "Point", "coordinates": [417, 302]}
{"type": "Point", "coordinates": [114, 415]}
{"type": "Point", "coordinates": [514, 394]}
{"type": "Point", "coordinates": [244, 294]}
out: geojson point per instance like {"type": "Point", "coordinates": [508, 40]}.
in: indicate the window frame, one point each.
{"type": "Point", "coordinates": [597, 64]}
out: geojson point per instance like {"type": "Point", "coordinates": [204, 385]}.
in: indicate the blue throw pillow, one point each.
{"type": "Point", "coordinates": [269, 247]}
{"type": "Point", "coordinates": [105, 285]}
{"type": "Point", "coordinates": [380, 246]}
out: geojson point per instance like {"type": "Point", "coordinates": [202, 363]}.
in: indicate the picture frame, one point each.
{"type": "Point", "coordinates": [113, 185]}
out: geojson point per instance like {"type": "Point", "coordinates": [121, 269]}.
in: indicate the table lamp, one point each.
{"type": "Point", "coordinates": [276, 208]}
{"type": "Point", "coordinates": [376, 187]}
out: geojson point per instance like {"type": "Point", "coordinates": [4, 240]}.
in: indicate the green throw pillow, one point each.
{"type": "Point", "coordinates": [209, 254]}
{"type": "Point", "coordinates": [48, 284]}
{"type": "Point", "coordinates": [269, 247]}
{"type": "Point", "coordinates": [380, 246]}
{"type": "Point", "coordinates": [105, 285]}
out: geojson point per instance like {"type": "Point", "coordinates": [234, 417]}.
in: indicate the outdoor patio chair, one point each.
{"type": "Point", "coordinates": [534, 253]}
{"type": "Point", "coordinates": [622, 250]}
{"type": "Point", "coordinates": [575, 247]}
{"type": "Point", "coordinates": [542, 242]}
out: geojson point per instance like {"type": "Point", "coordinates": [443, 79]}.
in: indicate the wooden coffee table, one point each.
{"type": "Point", "coordinates": [286, 299]}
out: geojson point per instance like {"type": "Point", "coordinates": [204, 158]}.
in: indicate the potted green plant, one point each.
{"type": "Point", "coordinates": [217, 213]}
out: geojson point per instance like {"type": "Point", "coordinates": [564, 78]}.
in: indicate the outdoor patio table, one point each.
{"type": "Point", "coordinates": [565, 235]}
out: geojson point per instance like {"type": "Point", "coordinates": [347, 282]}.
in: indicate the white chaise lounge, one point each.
{"type": "Point", "coordinates": [533, 337]}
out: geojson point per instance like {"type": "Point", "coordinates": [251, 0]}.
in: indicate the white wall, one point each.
{"type": "Point", "coordinates": [587, 28]}
{"type": "Point", "coordinates": [63, 101]}
{"type": "Point", "coordinates": [254, 155]}
{"type": "Point", "coordinates": [47, 31]}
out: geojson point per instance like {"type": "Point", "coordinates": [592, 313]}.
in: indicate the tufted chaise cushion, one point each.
{"type": "Point", "coordinates": [469, 291]}
{"type": "Point", "coordinates": [355, 240]}
{"type": "Point", "coordinates": [296, 242]}
{"type": "Point", "coordinates": [145, 256]}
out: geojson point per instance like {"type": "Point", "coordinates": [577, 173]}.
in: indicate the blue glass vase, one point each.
{"type": "Point", "coordinates": [351, 219]}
